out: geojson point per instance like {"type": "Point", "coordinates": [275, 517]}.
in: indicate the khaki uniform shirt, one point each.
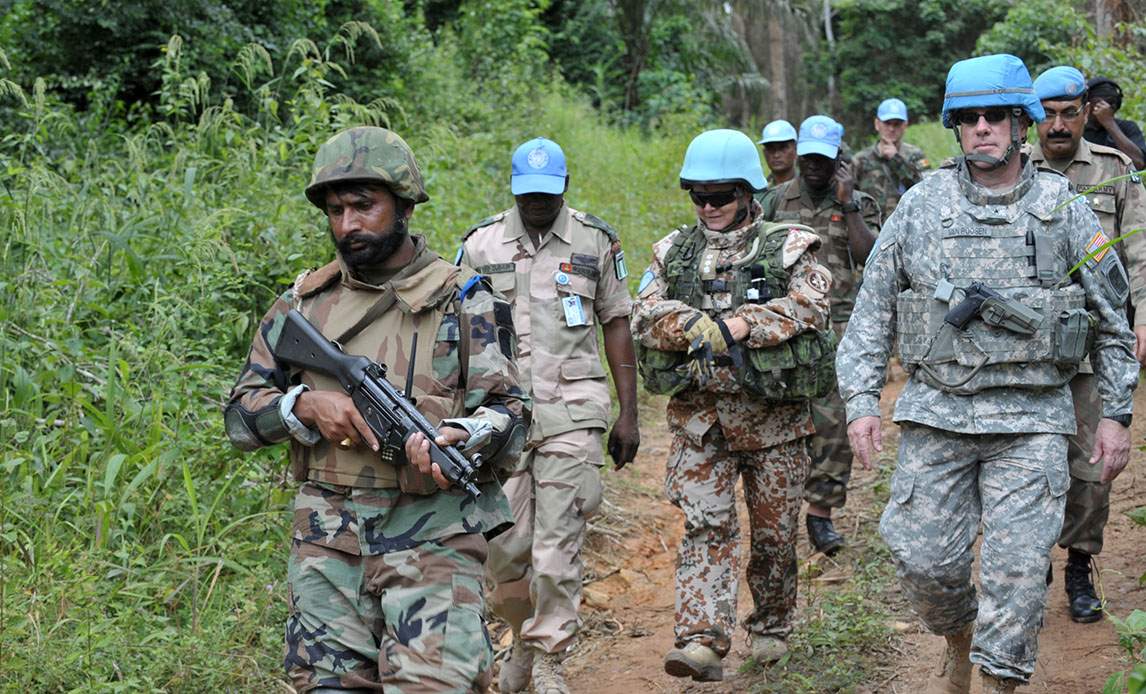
{"type": "Point", "coordinates": [557, 351]}
{"type": "Point", "coordinates": [790, 203]}
{"type": "Point", "coordinates": [1120, 206]}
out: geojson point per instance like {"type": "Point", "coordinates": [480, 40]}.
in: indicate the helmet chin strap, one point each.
{"type": "Point", "coordinates": [996, 162]}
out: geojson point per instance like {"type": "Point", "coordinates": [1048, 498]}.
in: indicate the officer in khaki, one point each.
{"type": "Point", "coordinates": [824, 198]}
{"type": "Point", "coordinates": [563, 272]}
{"type": "Point", "coordinates": [385, 572]}
{"type": "Point", "coordinates": [1119, 206]}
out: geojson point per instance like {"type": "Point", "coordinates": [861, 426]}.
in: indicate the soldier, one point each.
{"type": "Point", "coordinates": [888, 168]}
{"type": "Point", "coordinates": [372, 520]}
{"type": "Point", "coordinates": [1102, 128]}
{"type": "Point", "coordinates": [723, 308]}
{"type": "Point", "coordinates": [779, 141]}
{"type": "Point", "coordinates": [1118, 204]}
{"type": "Point", "coordinates": [563, 272]}
{"type": "Point", "coordinates": [847, 220]}
{"type": "Point", "coordinates": [972, 278]}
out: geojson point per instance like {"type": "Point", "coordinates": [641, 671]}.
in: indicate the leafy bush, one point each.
{"type": "Point", "coordinates": [1035, 30]}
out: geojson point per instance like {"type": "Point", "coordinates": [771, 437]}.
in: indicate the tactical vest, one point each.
{"type": "Point", "coordinates": [1015, 250]}
{"type": "Point", "coordinates": [798, 369]}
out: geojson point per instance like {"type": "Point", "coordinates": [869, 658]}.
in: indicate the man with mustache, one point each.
{"type": "Point", "coordinates": [385, 588]}
{"type": "Point", "coordinates": [1119, 206]}
{"type": "Point", "coordinates": [847, 220]}
{"type": "Point", "coordinates": [563, 272]}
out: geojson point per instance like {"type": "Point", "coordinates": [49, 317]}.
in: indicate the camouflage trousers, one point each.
{"type": "Point", "coordinates": [943, 486]}
{"type": "Point", "coordinates": [701, 481]}
{"type": "Point", "coordinates": [405, 621]}
{"type": "Point", "coordinates": [1088, 501]}
{"type": "Point", "coordinates": [827, 484]}
{"type": "Point", "coordinates": [536, 565]}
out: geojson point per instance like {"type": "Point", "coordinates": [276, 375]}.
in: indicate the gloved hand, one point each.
{"type": "Point", "coordinates": [701, 329]}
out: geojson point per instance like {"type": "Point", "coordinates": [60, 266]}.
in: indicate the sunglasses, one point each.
{"type": "Point", "coordinates": [1067, 114]}
{"type": "Point", "coordinates": [992, 115]}
{"type": "Point", "coordinates": [717, 199]}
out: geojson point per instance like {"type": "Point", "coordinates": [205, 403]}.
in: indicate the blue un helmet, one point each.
{"type": "Point", "coordinates": [1062, 83]}
{"type": "Point", "coordinates": [722, 156]}
{"type": "Point", "coordinates": [991, 81]}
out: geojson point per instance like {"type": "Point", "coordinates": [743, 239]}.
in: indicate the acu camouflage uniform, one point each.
{"type": "Point", "coordinates": [1120, 208]}
{"type": "Point", "coordinates": [721, 433]}
{"type": "Point", "coordinates": [827, 484]}
{"type": "Point", "coordinates": [556, 486]}
{"type": "Point", "coordinates": [885, 179]}
{"type": "Point", "coordinates": [385, 572]}
{"type": "Point", "coordinates": [994, 449]}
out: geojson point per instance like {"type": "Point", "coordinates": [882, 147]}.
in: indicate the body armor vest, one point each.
{"type": "Point", "coordinates": [1033, 337]}
{"type": "Point", "coordinates": [798, 369]}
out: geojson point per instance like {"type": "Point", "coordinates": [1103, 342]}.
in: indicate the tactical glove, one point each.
{"type": "Point", "coordinates": [701, 329]}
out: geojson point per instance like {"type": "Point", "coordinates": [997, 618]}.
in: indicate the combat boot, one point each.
{"type": "Point", "coordinates": [695, 660]}
{"type": "Point", "coordinates": [996, 685]}
{"type": "Point", "coordinates": [516, 669]}
{"type": "Point", "coordinates": [549, 674]}
{"type": "Point", "coordinates": [823, 534]}
{"type": "Point", "coordinates": [955, 675]}
{"type": "Point", "coordinates": [1085, 607]}
{"type": "Point", "coordinates": [767, 649]}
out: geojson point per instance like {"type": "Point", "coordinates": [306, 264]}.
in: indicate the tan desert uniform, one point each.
{"type": "Point", "coordinates": [1120, 208]}
{"type": "Point", "coordinates": [831, 469]}
{"type": "Point", "coordinates": [561, 292]}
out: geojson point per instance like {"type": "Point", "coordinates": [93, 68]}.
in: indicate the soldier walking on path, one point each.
{"type": "Point", "coordinates": [1120, 206]}
{"type": "Point", "coordinates": [779, 141]}
{"type": "Point", "coordinates": [972, 278]}
{"type": "Point", "coordinates": [888, 168]}
{"type": "Point", "coordinates": [385, 573]}
{"type": "Point", "coordinates": [723, 308]}
{"type": "Point", "coordinates": [563, 272]}
{"type": "Point", "coordinates": [824, 198]}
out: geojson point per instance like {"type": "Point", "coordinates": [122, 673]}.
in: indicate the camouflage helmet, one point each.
{"type": "Point", "coordinates": [367, 154]}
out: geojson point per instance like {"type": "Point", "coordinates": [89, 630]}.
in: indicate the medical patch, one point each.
{"type": "Point", "coordinates": [1096, 242]}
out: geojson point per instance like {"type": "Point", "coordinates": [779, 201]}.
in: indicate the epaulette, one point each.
{"type": "Point", "coordinates": [597, 223]}
{"type": "Point", "coordinates": [470, 281]}
{"type": "Point", "coordinates": [483, 223]}
{"type": "Point", "coordinates": [311, 282]}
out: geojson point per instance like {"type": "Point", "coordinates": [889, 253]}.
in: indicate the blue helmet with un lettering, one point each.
{"type": "Point", "coordinates": [989, 81]}
{"type": "Point", "coordinates": [722, 156]}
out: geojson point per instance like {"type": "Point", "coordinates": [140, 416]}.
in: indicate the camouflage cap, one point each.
{"type": "Point", "coordinates": [367, 154]}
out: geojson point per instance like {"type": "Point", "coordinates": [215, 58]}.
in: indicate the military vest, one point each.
{"type": "Point", "coordinates": [1015, 249]}
{"type": "Point", "coordinates": [798, 369]}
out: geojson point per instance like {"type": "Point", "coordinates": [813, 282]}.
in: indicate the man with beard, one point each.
{"type": "Point", "coordinates": [563, 272]}
{"type": "Point", "coordinates": [1102, 128]}
{"type": "Point", "coordinates": [847, 220]}
{"type": "Point", "coordinates": [779, 141]}
{"type": "Point", "coordinates": [889, 167]}
{"type": "Point", "coordinates": [1119, 206]}
{"type": "Point", "coordinates": [385, 573]}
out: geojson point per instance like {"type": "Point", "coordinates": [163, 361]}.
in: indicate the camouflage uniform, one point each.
{"type": "Point", "coordinates": [887, 180]}
{"type": "Point", "coordinates": [556, 486]}
{"type": "Point", "coordinates": [365, 527]}
{"type": "Point", "coordinates": [720, 432]}
{"type": "Point", "coordinates": [1120, 207]}
{"type": "Point", "coordinates": [994, 454]}
{"type": "Point", "coordinates": [827, 484]}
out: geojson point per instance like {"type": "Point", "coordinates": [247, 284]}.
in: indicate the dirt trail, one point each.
{"type": "Point", "coordinates": [629, 605]}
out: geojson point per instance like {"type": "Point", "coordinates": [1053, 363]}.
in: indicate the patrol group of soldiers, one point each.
{"type": "Point", "coordinates": [991, 276]}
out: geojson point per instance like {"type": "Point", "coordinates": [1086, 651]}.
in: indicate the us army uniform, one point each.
{"type": "Point", "coordinates": [984, 414]}
{"type": "Point", "coordinates": [720, 433]}
{"type": "Point", "coordinates": [561, 291]}
{"type": "Point", "coordinates": [367, 529]}
{"type": "Point", "coordinates": [887, 180]}
{"type": "Point", "coordinates": [1120, 208]}
{"type": "Point", "coordinates": [827, 483]}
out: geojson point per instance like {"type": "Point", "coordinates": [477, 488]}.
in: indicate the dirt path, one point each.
{"type": "Point", "coordinates": [629, 607]}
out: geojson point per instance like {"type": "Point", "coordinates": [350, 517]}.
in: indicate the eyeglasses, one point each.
{"type": "Point", "coordinates": [993, 115]}
{"type": "Point", "coordinates": [718, 199]}
{"type": "Point", "coordinates": [1066, 114]}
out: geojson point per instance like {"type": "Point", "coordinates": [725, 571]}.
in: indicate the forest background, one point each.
{"type": "Point", "coordinates": [152, 160]}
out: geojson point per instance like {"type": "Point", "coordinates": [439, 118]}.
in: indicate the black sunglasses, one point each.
{"type": "Point", "coordinates": [993, 115]}
{"type": "Point", "coordinates": [717, 199]}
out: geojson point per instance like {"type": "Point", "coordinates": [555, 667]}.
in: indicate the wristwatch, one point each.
{"type": "Point", "coordinates": [852, 206]}
{"type": "Point", "coordinates": [1123, 419]}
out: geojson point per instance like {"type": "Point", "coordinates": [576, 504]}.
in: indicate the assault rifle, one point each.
{"type": "Point", "coordinates": [391, 415]}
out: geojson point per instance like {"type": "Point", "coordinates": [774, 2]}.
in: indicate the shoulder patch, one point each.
{"type": "Point", "coordinates": [312, 282]}
{"type": "Point", "coordinates": [483, 223]}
